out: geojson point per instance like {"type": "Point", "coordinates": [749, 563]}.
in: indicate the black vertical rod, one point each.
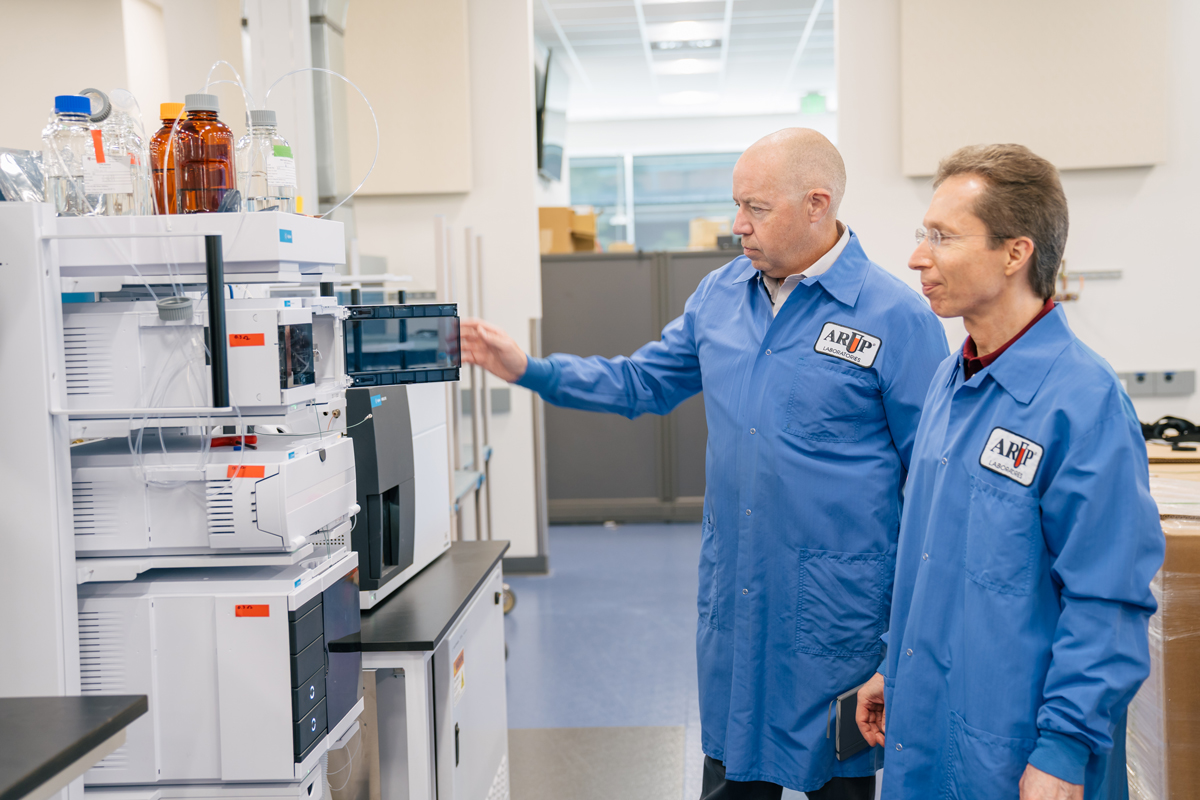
{"type": "Point", "coordinates": [214, 259]}
{"type": "Point", "coordinates": [327, 290]}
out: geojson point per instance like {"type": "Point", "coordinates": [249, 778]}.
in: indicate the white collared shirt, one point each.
{"type": "Point", "coordinates": [780, 291]}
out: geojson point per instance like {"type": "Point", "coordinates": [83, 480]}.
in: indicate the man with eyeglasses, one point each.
{"type": "Point", "coordinates": [1018, 630]}
{"type": "Point", "coordinates": [814, 363]}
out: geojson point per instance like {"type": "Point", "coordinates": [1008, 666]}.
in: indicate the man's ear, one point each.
{"type": "Point", "coordinates": [818, 204]}
{"type": "Point", "coordinates": [1018, 255]}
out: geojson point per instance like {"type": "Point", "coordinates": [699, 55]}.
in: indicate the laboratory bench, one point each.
{"type": "Point", "coordinates": [433, 662]}
{"type": "Point", "coordinates": [47, 742]}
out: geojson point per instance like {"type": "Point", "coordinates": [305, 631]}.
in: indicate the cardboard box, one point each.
{"type": "Point", "coordinates": [1163, 741]}
{"type": "Point", "coordinates": [703, 231]}
{"type": "Point", "coordinates": [556, 220]}
{"type": "Point", "coordinates": [564, 230]}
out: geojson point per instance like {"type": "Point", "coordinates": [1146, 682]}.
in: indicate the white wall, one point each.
{"type": "Point", "coordinates": [146, 58]}
{"type": "Point", "coordinates": [501, 207]}
{"type": "Point", "coordinates": [35, 66]}
{"type": "Point", "coordinates": [1136, 220]}
{"type": "Point", "coordinates": [684, 134]}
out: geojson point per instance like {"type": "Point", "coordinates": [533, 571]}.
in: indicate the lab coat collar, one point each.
{"type": "Point", "coordinates": [843, 281]}
{"type": "Point", "coordinates": [1023, 367]}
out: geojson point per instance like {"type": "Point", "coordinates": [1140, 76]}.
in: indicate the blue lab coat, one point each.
{"type": "Point", "coordinates": [811, 418]}
{"type": "Point", "coordinates": [1019, 622]}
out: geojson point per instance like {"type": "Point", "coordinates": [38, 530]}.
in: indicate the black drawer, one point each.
{"type": "Point", "coordinates": [304, 609]}
{"type": "Point", "coordinates": [307, 629]}
{"type": "Point", "coordinates": [308, 661]}
{"type": "Point", "coordinates": [309, 730]}
{"type": "Point", "coordinates": [311, 692]}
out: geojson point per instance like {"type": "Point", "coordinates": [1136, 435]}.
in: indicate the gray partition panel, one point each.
{"type": "Point", "coordinates": [602, 466]}
{"type": "Point", "coordinates": [689, 431]}
{"type": "Point", "coordinates": [599, 305]}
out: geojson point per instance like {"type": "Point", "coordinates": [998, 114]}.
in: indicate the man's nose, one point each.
{"type": "Point", "coordinates": [740, 226]}
{"type": "Point", "coordinates": [921, 258]}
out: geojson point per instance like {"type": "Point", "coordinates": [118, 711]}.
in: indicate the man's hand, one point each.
{"type": "Point", "coordinates": [1038, 785]}
{"type": "Point", "coordinates": [491, 348]}
{"type": "Point", "coordinates": [870, 714]}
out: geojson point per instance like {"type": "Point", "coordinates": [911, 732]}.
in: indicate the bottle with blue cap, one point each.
{"type": "Point", "coordinates": [66, 143]}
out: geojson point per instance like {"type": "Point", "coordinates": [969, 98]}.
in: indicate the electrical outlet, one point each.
{"type": "Point", "coordinates": [1173, 383]}
{"type": "Point", "coordinates": [1138, 384]}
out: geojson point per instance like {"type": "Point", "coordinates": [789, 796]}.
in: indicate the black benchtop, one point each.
{"type": "Point", "coordinates": [423, 610]}
{"type": "Point", "coordinates": [42, 736]}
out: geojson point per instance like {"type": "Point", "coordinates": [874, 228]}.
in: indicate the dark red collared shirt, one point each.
{"type": "Point", "coordinates": [973, 362]}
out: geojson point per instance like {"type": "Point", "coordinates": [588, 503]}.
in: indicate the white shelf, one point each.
{"type": "Point", "coordinates": [127, 568]}
{"type": "Point", "coordinates": [268, 246]}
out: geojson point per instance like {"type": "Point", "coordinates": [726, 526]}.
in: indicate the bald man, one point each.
{"type": "Point", "coordinates": [814, 363]}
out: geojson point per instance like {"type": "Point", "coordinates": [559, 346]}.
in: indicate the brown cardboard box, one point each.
{"type": "Point", "coordinates": [557, 220]}
{"type": "Point", "coordinates": [703, 231]}
{"type": "Point", "coordinates": [569, 231]}
{"type": "Point", "coordinates": [1163, 741]}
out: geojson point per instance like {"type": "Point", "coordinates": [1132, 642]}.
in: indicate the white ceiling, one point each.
{"type": "Point", "coordinates": [764, 63]}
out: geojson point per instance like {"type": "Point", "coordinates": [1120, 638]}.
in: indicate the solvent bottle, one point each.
{"type": "Point", "coordinates": [205, 170]}
{"type": "Point", "coordinates": [66, 142]}
{"type": "Point", "coordinates": [162, 161]}
{"type": "Point", "coordinates": [266, 170]}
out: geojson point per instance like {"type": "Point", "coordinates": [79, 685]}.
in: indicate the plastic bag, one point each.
{"type": "Point", "coordinates": [21, 176]}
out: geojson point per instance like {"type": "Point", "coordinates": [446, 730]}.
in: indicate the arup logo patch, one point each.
{"type": "Point", "coordinates": [1012, 456]}
{"type": "Point", "coordinates": [848, 344]}
{"type": "Point", "coordinates": [285, 236]}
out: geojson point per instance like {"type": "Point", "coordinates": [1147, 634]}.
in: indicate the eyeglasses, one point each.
{"type": "Point", "coordinates": [937, 238]}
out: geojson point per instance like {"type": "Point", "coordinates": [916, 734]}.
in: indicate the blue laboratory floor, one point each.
{"type": "Point", "coordinates": [607, 639]}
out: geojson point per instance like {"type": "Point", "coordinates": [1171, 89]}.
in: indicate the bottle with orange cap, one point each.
{"type": "Point", "coordinates": [161, 160]}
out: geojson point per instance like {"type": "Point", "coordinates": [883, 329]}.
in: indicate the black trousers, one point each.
{"type": "Point", "coordinates": [717, 788]}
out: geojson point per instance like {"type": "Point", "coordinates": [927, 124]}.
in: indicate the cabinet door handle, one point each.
{"type": "Point", "coordinates": [456, 744]}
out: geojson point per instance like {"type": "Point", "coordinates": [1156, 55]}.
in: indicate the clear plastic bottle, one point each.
{"type": "Point", "coordinates": [266, 170]}
{"type": "Point", "coordinates": [161, 160]}
{"type": "Point", "coordinates": [125, 144]}
{"type": "Point", "coordinates": [66, 143]}
{"type": "Point", "coordinates": [205, 170]}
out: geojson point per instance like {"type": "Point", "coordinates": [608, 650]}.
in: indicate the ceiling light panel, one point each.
{"type": "Point", "coordinates": [687, 66]}
{"type": "Point", "coordinates": [684, 46]}
{"type": "Point", "coordinates": [684, 31]}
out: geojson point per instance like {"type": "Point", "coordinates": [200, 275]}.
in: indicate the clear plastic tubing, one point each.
{"type": "Point", "coordinates": [66, 142]}
{"type": "Point", "coordinates": [266, 171]}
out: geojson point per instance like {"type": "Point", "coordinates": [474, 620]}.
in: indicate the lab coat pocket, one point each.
{"type": "Point", "coordinates": [1002, 530]}
{"type": "Point", "coordinates": [843, 603]}
{"type": "Point", "coordinates": [982, 765]}
{"type": "Point", "coordinates": [706, 597]}
{"type": "Point", "coordinates": [829, 400]}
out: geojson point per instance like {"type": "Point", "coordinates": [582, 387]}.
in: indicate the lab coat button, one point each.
{"type": "Point", "coordinates": [944, 462]}
{"type": "Point", "coordinates": [745, 591]}
{"type": "Point", "coordinates": [752, 431]}
{"type": "Point", "coordinates": [899, 746]}
{"type": "Point", "coordinates": [909, 651]}
{"type": "Point", "coordinates": [747, 512]}
{"type": "Point", "coordinates": [768, 351]}
{"type": "Point", "coordinates": [924, 556]}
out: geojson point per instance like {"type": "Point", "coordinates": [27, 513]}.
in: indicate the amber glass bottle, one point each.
{"type": "Point", "coordinates": [205, 168]}
{"type": "Point", "coordinates": [161, 161]}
